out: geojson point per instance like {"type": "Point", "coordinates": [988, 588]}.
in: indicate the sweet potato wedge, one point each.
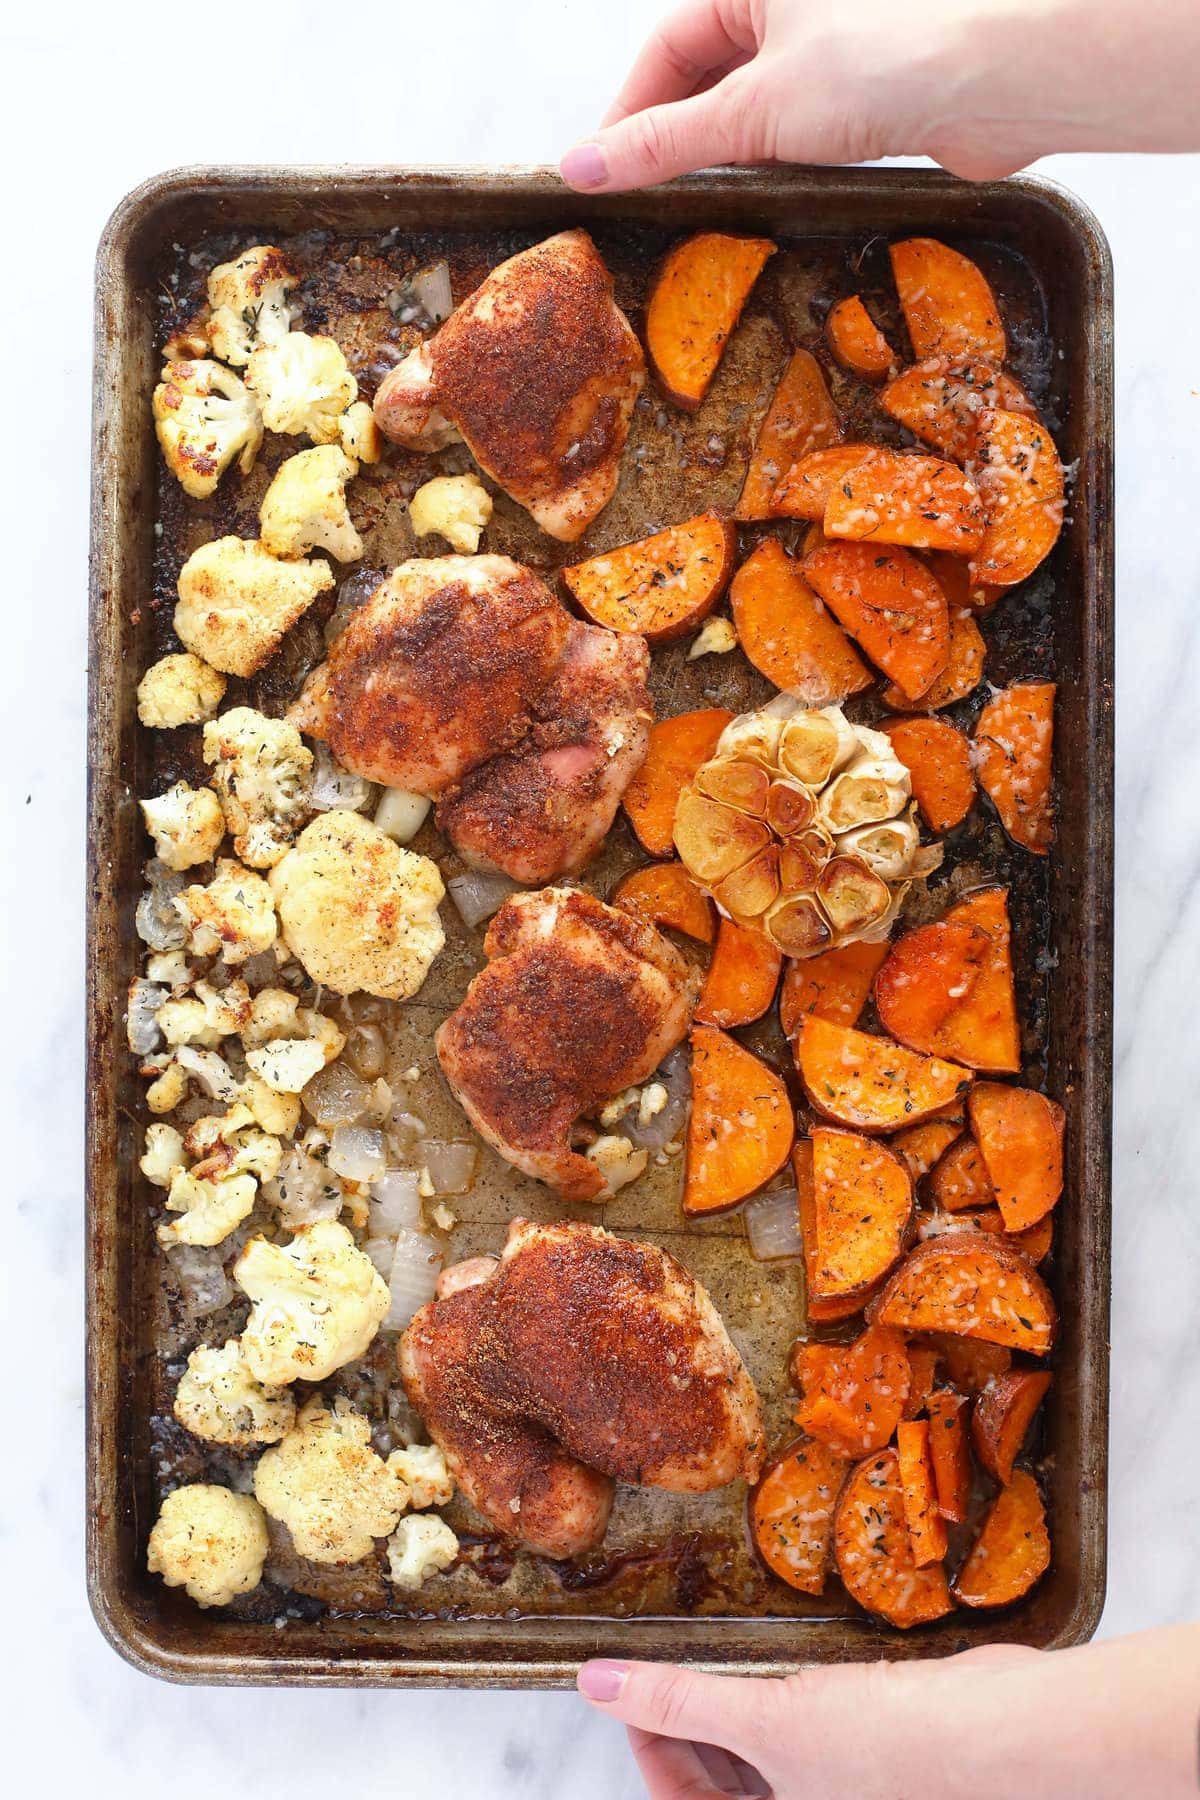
{"type": "Point", "coordinates": [874, 1552]}
{"type": "Point", "coordinates": [947, 301]}
{"type": "Point", "coordinates": [803, 492]}
{"type": "Point", "coordinates": [1021, 486]}
{"type": "Point", "coordinates": [742, 977]}
{"type": "Point", "coordinates": [697, 299]}
{"type": "Point", "coordinates": [741, 1125]}
{"type": "Point", "coordinates": [800, 418]}
{"type": "Point", "coordinates": [1014, 747]}
{"type": "Point", "coordinates": [788, 635]}
{"type": "Point", "coordinates": [834, 985]}
{"type": "Point", "coordinates": [857, 342]}
{"type": "Point", "coordinates": [1002, 1416]}
{"type": "Point", "coordinates": [677, 748]}
{"type": "Point", "coordinates": [969, 1363]}
{"type": "Point", "coordinates": [1035, 1243]}
{"type": "Point", "coordinates": [923, 1363]}
{"type": "Point", "coordinates": [1020, 1138]}
{"type": "Point", "coordinates": [943, 399]}
{"type": "Point", "coordinates": [662, 586]}
{"type": "Point", "coordinates": [864, 1212]}
{"type": "Point", "coordinates": [969, 1285]}
{"type": "Point", "coordinates": [852, 1395]}
{"type": "Point", "coordinates": [870, 1083]}
{"type": "Point", "coordinates": [949, 1452]}
{"type": "Point", "coordinates": [890, 603]}
{"type": "Point", "coordinates": [959, 1182]}
{"type": "Point", "coordinates": [791, 1513]}
{"type": "Point", "coordinates": [891, 497]}
{"type": "Point", "coordinates": [947, 991]}
{"type": "Point", "coordinates": [926, 1532]}
{"type": "Point", "coordinates": [938, 757]}
{"type": "Point", "coordinates": [1012, 1550]}
{"type": "Point", "coordinates": [817, 1311]}
{"type": "Point", "coordinates": [665, 894]}
{"type": "Point", "coordinates": [966, 654]}
{"type": "Point", "coordinates": [959, 586]}
{"type": "Point", "coordinates": [923, 1146]}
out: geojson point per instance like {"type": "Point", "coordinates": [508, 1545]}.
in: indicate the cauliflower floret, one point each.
{"type": "Point", "coordinates": [210, 1541]}
{"type": "Point", "coordinates": [287, 1065]}
{"type": "Point", "coordinates": [327, 1485]}
{"type": "Point", "coordinates": [205, 417]}
{"type": "Point", "coordinates": [186, 823]}
{"type": "Point", "coordinates": [305, 506]}
{"type": "Point", "coordinates": [248, 297]}
{"type": "Point", "coordinates": [359, 911]}
{"type": "Point", "coordinates": [209, 1209]}
{"type": "Point", "coordinates": [422, 1467]}
{"type": "Point", "coordinates": [318, 1302]}
{"type": "Point", "coordinates": [617, 1161]}
{"type": "Point", "coordinates": [168, 1090]}
{"type": "Point", "coordinates": [456, 506]}
{"type": "Point", "coordinates": [164, 1155]}
{"type": "Point", "coordinates": [359, 435]}
{"type": "Point", "coordinates": [274, 1013]}
{"type": "Point", "coordinates": [230, 1144]}
{"type": "Point", "coordinates": [179, 690]}
{"type": "Point", "coordinates": [219, 1400]}
{"type": "Point", "coordinates": [236, 601]}
{"type": "Point", "coordinates": [421, 1545]}
{"type": "Point", "coordinates": [261, 771]}
{"type": "Point", "coordinates": [170, 968]}
{"type": "Point", "coordinates": [204, 1016]}
{"type": "Point", "coordinates": [234, 914]}
{"type": "Point", "coordinates": [210, 1072]}
{"type": "Point", "coordinates": [277, 1113]}
{"type": "Point", "coordinates": [303, 385]}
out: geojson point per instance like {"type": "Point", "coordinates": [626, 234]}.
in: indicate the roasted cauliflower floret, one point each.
{"type": "Point", "coordinates": [168, 1090]}
{"type": "Point", "coordinates": [457, 507]}
{"type": "Point", "coordinates": [287, 1065]}
{"type": "Point", "coordinates": [423, 1469]}
{"type": "Point", "coordinates": [305, 506]}
{"type": "Point", "coordinates": [204, 417]}
{"type": "Point", "coordinates": [179, 690]}
{"type": "Point", "coordinates": [318, 1302]}
{"type": "Point", "coordinates": [277, 1113]}
{"type": "Point", "coordinates": [618, 1161]}
{"type": "Point", "coordinates": [186, 823]}
{"type": "Point", "coordinates": [421, 1545]}
{"type": "Point", "coordinates": [359, 435]}
{"type": "Point", "coordinates": [219, 1400]}
{"type": "Point", "coordinates": [303, 384]}
{"type": "Point", "coordinates": [327, 1485]}
{"type": "Point", "coordinates": [261, 772]}
{"type": "Point", "coordinates": [164, 1155]}
{"type": "Point", "coordinates": [204, 1016]}
{"type": "Point", "coordinates": [210, 1541]}
{"type": "Point", "coordinates": [236, 601]}
{"type": "Point", "coordinates": [248, 298]}
{"type": "Point", "coordinates": [234, 915]}
{"type": "Point", "coordinates": [231, 1144]}
{"type": "Point", "coordinates": [218, 1191]}
{"type": "Point", "coordinates": [359, 911]}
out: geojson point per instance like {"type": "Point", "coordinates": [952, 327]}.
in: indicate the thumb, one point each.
{"type": "Point", "coordinates": [735, 1713]}
{"type": "Point", "coordinates": [721, 125]}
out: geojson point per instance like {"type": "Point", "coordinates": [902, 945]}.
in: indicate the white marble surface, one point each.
{"type": "Point", "coordinates": [97, 98]}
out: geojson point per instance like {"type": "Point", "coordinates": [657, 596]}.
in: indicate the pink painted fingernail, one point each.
{"type": "Point", "coordinates": [602, 1680]}
{"type": "Point", "coordinates": [584, 167]}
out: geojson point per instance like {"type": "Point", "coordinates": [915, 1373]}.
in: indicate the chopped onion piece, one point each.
{"type": "Point", "coordinates": [773, 1225]}
{"type": "Point", "coordinates": [156, 920]}
{"type": "Point", "coordinates": [356, 1153]}
{"type": "Point", "coordinates": [400, 815]}
{"type": "Point", "coordinates": [382, 1252]}
{"type": "Point", "coordinates": [479, 893]}
{"type": "Point", "coordinates": [395, 1204]}
{"type": "Point", "coordinates": [141, 1026]}
{"type": "Point", "coordinates": [336, 1095]}
{"type": "Point", "coordinates": [211, 1072]}
{"type": "Point", "coordinates": [423, 297]}
{"type": "Point", "coordinates": [335, 788]}
{"type": "Point", "coordinates": [303, 1191]}
{"type": "Point", "coordinates": [451, 1165]}
{"type": "Point", "coordinates": [201, 1276]}
{"type": "Point", "coordinates": [669, 1124]}
{"type": "Point", "coordinates": [413, 1278]}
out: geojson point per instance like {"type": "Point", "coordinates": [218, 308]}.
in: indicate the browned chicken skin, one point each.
{"type": "Point", "coordinates": [537, 371]}
{"type": "Point", "coordinates": [579, 1000]}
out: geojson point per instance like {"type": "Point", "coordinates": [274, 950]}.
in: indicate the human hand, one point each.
{"type": "Point", "coordinates": [1112, 1719]}
{"type": "Point", "coordinates": [983, 86]}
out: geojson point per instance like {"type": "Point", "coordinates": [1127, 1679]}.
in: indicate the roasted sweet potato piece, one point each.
{"type": "Point", "coordinates": [961, 589]}
{"type": "Point", "coordinates": [742, 977]}
{"type": "Point", "coordinates": [788, 635]}
{"type": "Point", "coordinates": [1020, 1137]}
{"type": "Point", "coordinates": [800, 418]}
{"type": "Point", "coordinates": [1002, 1416]}
{"type": "Point", "coordinates": [943, 400]}
{"type": "Point", "coordinates": [678, 746]}
{"type": "Point", "coordinates": [864, 1212]}
{"type": "Point", "coordinates": [973, 1286]}
{"type": "Point", "coordinates": [894, 498]}
{"type": "Point", "coordinates": [938, 757]}
{"type": "Point", "coordinates": [741, 1125]}
{"type": "Point", "coordinates": [818, 1311]}
{"type": "Point", "coordinates": [870, 1083]}
{"type": "Point", "coordinates": [662, 586]}
{"type": "Point", "coordinates": [852, 1395]}
{"type": "Point", "coordinates": [965, 657]}
{"type": "Point", "coordinates": [1021, 485]}
{"type": "Point", "coordinates": [986, 1033]}
{"type": "Point", "coordinates": [945, 992]}
{"type": "Point", "coordinates": [1034, 1243]}
{"type": "Point", "coordinates": [665, 894]}
{"type": "Point", "coordinates": [791, 1513]}
{"type": "Point", "coordinates": [804, 491]}
{"type": "Point", "coordinates": [947, 301]}
{"type": "Point", "coordinates": [890, 603]}
{"type": "Point", "coordinates": [959, 1182]}
{"type": "Point", "coordinates": [697, 299]}
{"type": "Point", "coordinates": [834, 985]}
{"type": "Point", "coordinates": [922, 1146]}
{"type": "Point", "coordinates": [949, 1453]}
{"type": "Point", "coordinates": [969, 1363]}
{"type": "Point", "coordinates": [926, 1531]}
{"type": "Point", "coordinates": [857, 341]}
{"type": "Point", "coordinates": [922, 1362]}
{"type": "Point", "coordinates": [1012, 1550]}
{"type": "Point", "coordinates": [1014, 745]}
{"type": "Point", "coordinates": [874, 1552]}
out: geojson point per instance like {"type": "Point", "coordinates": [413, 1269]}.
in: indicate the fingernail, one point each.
{"type": "Point", "coordinates": [602, 1680]}
{"type": "Point", "coordinates": [584, 166]}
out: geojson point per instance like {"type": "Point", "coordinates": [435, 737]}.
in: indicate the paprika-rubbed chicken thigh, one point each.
{"type": "Point", "coordinates": [578, 1001]}
{"type": "Point", "coordinates": [537, 372]}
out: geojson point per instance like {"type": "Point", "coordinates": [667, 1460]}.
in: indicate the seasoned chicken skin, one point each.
{"type": "Point", "coordinates": [537, 372]}
{"type": "Point", "coordinates": [578, 1001]}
